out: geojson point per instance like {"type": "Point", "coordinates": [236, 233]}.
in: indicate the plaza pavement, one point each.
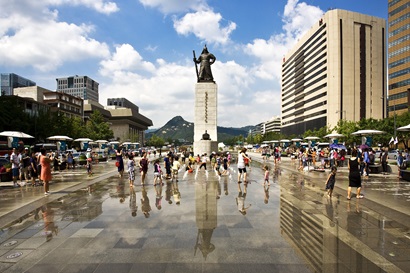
{"type": "Point", "coordinates": [306, 231]}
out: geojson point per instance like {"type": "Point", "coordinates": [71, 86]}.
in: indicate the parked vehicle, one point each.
{"type": "Point", "coordinates": [393, 154]}
{"type": "Point", "coordinates": [4, 161]}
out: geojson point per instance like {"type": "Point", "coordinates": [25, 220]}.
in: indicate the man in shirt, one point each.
{"type": "Point", "coordinates": [15, 162]}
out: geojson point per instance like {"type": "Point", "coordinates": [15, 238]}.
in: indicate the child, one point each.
{"type": "Point", "coordinates": [330, 182]}
{"type": "Point", "coordinates": [175, 168]}
{"type": "Point", "coordinates": [131, 169]}
{"type": "Point", "coordinates": [266, 168]}
{"type": "Point", "coordinates": [188, 168]}
{"type": "Point", "coordinates": [89, 166]}
{"type": "Point", "coordinates": [157, 172]}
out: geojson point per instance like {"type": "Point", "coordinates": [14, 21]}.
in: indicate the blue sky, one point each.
{"type": "Point", "coordinates": [142, 49]}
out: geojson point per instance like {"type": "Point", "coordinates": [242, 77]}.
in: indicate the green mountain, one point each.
{"type": "Point", "coordinates": [178, 128]}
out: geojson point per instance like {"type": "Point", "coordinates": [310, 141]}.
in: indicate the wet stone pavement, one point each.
{"type": "Point", "coordinates": [98, 224]}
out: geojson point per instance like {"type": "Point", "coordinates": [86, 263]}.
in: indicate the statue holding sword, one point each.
{"type": "Point", "coordinates": [205, 60]}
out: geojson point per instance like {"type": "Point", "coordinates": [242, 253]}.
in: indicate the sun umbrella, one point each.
{"type": "Point", "coordinates": [60, 138]}
{"type": "Point", "coordinates": [311, 138]}
{"type": "Point", "coordinates": [367, 132]}
{"type": "Point", "coordinates": [101, 141]}
{"type": "Point", "coordinates": [334, 135]}
{"type": "Point", "coordinates": [15, 134]}
{"type": "Point", "coordinates": [83, 139]}
{"type": "Point", "coordinates": [404, 128]}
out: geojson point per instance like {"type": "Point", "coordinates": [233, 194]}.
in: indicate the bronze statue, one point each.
{"type": "Point", "coordinates": [205, 60]}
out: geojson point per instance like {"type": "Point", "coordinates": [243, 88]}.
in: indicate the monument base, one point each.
{"type": "Point", "coordinates": [205, 146]}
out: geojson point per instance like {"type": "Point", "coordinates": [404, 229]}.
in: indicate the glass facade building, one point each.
{"type": "Point", "coordinates": [79, 86]}
{"type": "Point", "coordinates": [9, 81]}
{"type": "Point", "coordinates": [399, 56]}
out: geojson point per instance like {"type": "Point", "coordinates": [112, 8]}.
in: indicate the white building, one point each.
{"type": "Point", "coordinates": [337, 70]}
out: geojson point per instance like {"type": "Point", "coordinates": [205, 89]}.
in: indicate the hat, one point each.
{"type": "Point", "coordinates": [26, 148]}
{"type": "Point", "coordinates": [88, 150]}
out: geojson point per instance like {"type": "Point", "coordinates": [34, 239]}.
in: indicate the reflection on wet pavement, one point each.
{"type": "Point", "coordinates": [206, 223]}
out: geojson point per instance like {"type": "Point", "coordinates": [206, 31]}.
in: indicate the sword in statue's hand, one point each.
{"type": "Point", "coordinates": [196, 67]}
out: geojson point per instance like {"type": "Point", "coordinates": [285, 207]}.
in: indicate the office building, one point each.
{"type": "Point", "coordinates": [337, 70]}
{"type": "Point", "coordinates": [121, 102]}
{"type": "Point", "coordinates": [63, 103]}
{"type": "Point", "coordinates": [126, 121]}
{"type": "Point", "coordinates": [272, 125]}
{"type": "Point", "coordinates": [79, 86]}
{"type": "Point", "coordinates": [9, 81]}
{"type": "Point", "coordinates": [399, 56]}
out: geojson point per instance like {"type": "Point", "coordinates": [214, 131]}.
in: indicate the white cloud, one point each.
{"type": "Point", "coordinates": [206, 25]}
{"type": "Point", "coordinates": [51, 44]}
{"type": "Point", "coordinates": [98, 5]}
{"type": "Point", "coordinates": [33, 36]}
{"type": "Point", "coordinates": [175, 6]}
{"type": "Point", "coordinates": [125, 59]}
{"type": "Point", "coordinates": [297, 19]}
{"type": "Point", "coordinates": [32, 8]}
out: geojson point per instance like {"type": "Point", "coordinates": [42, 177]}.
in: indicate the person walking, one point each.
{"type": "Point", "coordinates": [401, 164]}
{"type": "Point", "coordinates": [330, 182]}
{"type": "Point", "coordinates": [383, 160]}
{"type": "Point", "coordinates": [120, 164]}
{"type": "Point", "coordinates": [241, 165]}
{"type": "Point", "coordinates": [157, 172]}
{"type": "Point", "coordinates": [33, 168]}
{"type": "Point", "coordinates": [175, 168]}
{"type": "Point", "coordinates": [15, 162]}
{"type": "Point", "coordinates": [167, 165]}
{"type": "Point", "coordinates": [131, 169]}
{"type": "Point", "coordinates": [266, 168]}
{"type": "Point", "coordinates": [143, 164]}
{"type": "Point", "coordinates": [355, 179]}
{"type": "Point", "coordinates": [45, 162]}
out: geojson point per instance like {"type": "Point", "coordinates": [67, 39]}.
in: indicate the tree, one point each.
{"type": "Point", "coordinates": [156, 141]}
{"type": "Point", "coordinates": [97, 127]}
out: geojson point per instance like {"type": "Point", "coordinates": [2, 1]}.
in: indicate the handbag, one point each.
{"type": "Point", "coordinates": [117, 163]}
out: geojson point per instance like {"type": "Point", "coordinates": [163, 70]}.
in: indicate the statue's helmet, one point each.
{"type": "Point", "coordinates": [205, 50]}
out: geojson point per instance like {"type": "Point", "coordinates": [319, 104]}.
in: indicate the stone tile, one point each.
{"type": "Point", "coordinates": [130, 243]}
{"type": "Point", "coordinates": [41, 268]}
{"type": "Point", "coordinates": [113, 267]}
{"type": "Point", "coordinates": [75, 243]}
{"type": "Point", "coordinates": [79, 268]}
{"type": "Point", "coordinates": [87, 233]}
{"type": "Point", "coordinates": [15, 255]}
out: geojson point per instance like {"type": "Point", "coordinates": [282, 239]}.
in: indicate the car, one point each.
{"type": "Point", "coordinates": [392, 154]}
{"type": "Point", "coordinates": [4, 161]}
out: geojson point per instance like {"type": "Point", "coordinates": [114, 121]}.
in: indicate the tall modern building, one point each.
{"type": "Point", "coordinates": [79, 86]}
{"type": "Point", "coordinates": [9, 81]}
{"type": "Point", "coordinates": [399, 56]}
{"type": "Point", "coordinates": [337, 70]}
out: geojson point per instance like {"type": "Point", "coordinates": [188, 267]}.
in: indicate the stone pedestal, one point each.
{"type": "Point", "coordinates": [205, 117]}
{"type": "Point", "coordinates": [205, 146]}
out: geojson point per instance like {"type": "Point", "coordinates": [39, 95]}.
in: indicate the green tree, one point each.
{"type": "Point", "coordinates": [156, 141]}
{"type": "Point", "coordinates": [97, 127]}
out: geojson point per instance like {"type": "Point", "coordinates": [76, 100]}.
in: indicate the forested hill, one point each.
{"type": "Point", "coordinates": [178, 128]}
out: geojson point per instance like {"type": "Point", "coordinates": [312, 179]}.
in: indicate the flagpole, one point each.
{"type": "Point", "coordinates": [395, 137]}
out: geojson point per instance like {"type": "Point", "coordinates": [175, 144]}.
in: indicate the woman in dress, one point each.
{"type": "Point", "coordinates": [45, 175]}
{"type": "Point", "coordinates": [355, 179]}
{"type": "Point", "coordinates": [120, 161]}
